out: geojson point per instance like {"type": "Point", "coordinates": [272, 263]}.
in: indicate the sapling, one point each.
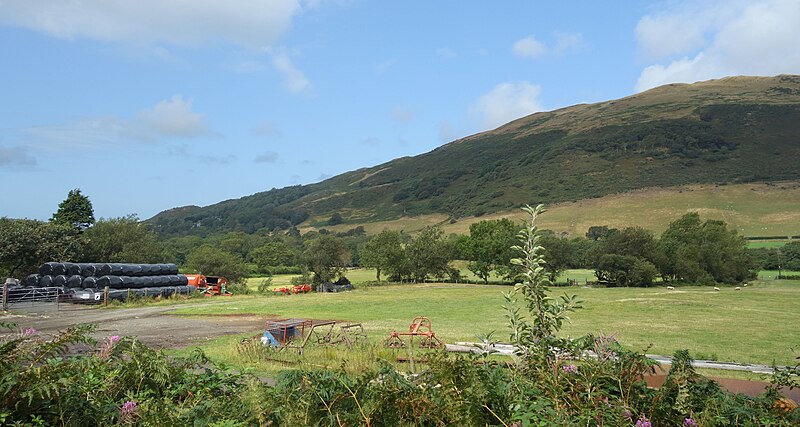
{"type": "Point", "coordinates": [535, 334]}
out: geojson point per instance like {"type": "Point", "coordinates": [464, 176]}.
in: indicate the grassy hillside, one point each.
{"type": "Point", "coordinates": [727, 131]}
{"type": "Point", "coordinates": [753, 209]}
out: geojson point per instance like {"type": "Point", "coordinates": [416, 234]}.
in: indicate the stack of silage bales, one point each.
{"type": "Point", "coordinates": [121, 279]}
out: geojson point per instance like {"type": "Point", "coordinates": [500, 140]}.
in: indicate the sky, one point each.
{"type": "Point", "coordinates": [149, 105]}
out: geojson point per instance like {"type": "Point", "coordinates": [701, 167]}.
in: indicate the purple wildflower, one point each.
{"type": "Point", "coordinates": [29, 331]}
{"type": "Point", "coordinates": [570, 369]}
{"type": "Point", "coordinates": [105, 349]}
{"type": "Point", "coordinates": [643, 422]}
{"type": "Point", "coordinates": [627, 413]}
{"type": "Point", "coordinates": [127, 412]}
{"type": "Point", "coordinates": [689, 422]}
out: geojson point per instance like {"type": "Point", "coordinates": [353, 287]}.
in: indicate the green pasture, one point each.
{"type": "Point", "coordinates": [757, 324]}
{"type": "Point", "coordinates": [756, 244]}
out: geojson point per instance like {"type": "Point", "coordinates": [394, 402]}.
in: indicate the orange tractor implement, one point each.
{"type": "Point", "coordinates": [209, 285]}
{"type": "Point", "coordinates": [420, 327]}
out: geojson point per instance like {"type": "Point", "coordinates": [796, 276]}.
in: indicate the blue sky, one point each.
{"type": "Point", "coordinates": [152, 104]}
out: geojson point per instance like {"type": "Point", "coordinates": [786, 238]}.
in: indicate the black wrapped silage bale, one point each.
{"type": "Point", "coordinates": [116, 269]}
{"type": "Point", "coordinates": [158, 269]}
{"type": "Point", "coordinates": [159, 281]}
{"type": "Point", "coordinates": [151, 292]}
{"type": "Point", "coordinates": [171, 269]}
{"type": "Point", "coordinates": [46, 269]}
{"type": "Point", "coordinates": [84, 269]}
{"type": "Point", "coordinates": [103, 281]}
{"type": "Point", "coordinates": [111, 281]}
{"type": "Point", "coordinates": [184, 280]}
{"type": "Point", "coordinates": [147, 281]}
{"type": "Point", "coordinates": [103, 270]}
{"type": "Point", "coordinates": [59, 269]}
{"type": "Point", "coordinates": [127, 282]}
{"type": "Point", "coordinates": [131, 269]}
{"type": "Point", "coordinates": [146, 269]}
{"type": "Point", "coordinates": [75, 281]}
{"type": "Point", "coordinates": [71, 269]}
{"type": "Point", "coordinates": [167, 291]}
{"type": "Point", "coordinates": [31, 281]}
{"type": "Point", "coordinates": [114, 282]}
{"type": "Point", "coordinates": [45, 281]}
{"type": "Point", "coordinates": [90, 282]}
{"type": "Point", "coordinates": [174, 280]}
{"type": "Point", "coordinates": [60, 281]}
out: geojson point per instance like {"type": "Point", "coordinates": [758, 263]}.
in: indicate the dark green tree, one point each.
{"type": "Point", "coordinates": [326, 257]}
{"type": "Point", "coordinates": [75, 210]}
{"type": "Point", "coordinates": [213, 261]}
{"type": "Point", "coordinates": [123, 239]}
{"type": "Point", "coordinates": [694, 251]}
{"type": "Point", "coordinates": [335, 219]}
{"type": "Point", "coordinates": [274, 254]}
{"type": "Point", "coordinates": [384, 251]}
{"type": "Point", "coordinates": [557, 255]}
{"type": "Point", "coordinates": [429, 254]}
{"type": "Point", "coordinates": [25, 244]}
{"type": "Point", "coordinates": [489, 246]}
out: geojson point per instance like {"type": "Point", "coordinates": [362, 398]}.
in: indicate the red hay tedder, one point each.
{"type": "Point", "coordinates": [420, 327]}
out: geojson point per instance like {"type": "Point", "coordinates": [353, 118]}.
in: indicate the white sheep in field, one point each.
{"type": "Point", "coordinates": [745, 285]}
{"type": "Point", "coordinates": [716, 288]}
{"type": "Point", "coordinates": [737, 289]}
{"type": "Point", "coordinates": [670, 288]}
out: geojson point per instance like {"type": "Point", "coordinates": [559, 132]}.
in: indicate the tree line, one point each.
{"type": "Point", "coordinates": [689, 251]}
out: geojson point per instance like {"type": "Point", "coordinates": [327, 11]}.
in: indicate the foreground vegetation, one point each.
{"type": "Point", "coordinates": [552, 380]}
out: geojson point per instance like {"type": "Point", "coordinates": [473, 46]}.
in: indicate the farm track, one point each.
{"type": "Point", "coordinates": [153, 325]}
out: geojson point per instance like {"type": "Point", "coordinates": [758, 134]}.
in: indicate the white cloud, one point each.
{"type": "Point", "coordinates": [167, 119]}
{"type": "Point", "coordinates": [567, 41]}
{"type": "Point", "coordinates": [750, 38]}
{"type": "Point", "coordinates": [446, 53]}
{"type": "Point", "coordinates": [16, 156]}
{"type": "Point", "coordinates": [529, 47]}
{"type": "Point", "coordinates": [506, 102]}
{"type": "Point", "coordinates": [267, 157]}
{"type": "Point", "coordinates": [293, 79]}
{"type": "Point", "coordinates": [251, 23]}
{"type": "Point", "coordinates": [174, 117]}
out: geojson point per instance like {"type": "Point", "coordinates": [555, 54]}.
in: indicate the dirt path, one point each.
{"type": "Point", "coordinates": [154, 325]}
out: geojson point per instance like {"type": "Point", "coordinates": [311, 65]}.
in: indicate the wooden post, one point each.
{"type": "Point", "coordinates": [5, 296]}
{"type": "Point", "coordinates": [105, 296]}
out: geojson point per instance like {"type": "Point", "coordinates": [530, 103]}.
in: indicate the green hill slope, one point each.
{"type": "Point", "coordinates": [732, 130]}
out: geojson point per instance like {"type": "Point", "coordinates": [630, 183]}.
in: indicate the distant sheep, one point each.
{"type": "Point", "coordinates": [745, 285]}
{"type": "Point", "coordinates": [716, 288]}
{"type": "Point", "coordinates": [670, 288]}
{"type": "Point", "coordinates": [737, 289]}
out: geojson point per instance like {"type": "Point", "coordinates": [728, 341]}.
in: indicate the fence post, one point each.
{"type": "Point", "coordinates": [58, 297]}
{"type": "Point", "coordinates": [5, 296]}
{"type": "Point", "coordinates": [105, 296]}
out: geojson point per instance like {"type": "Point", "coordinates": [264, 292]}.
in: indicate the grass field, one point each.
{"type": "Point", "coordinates": [767, 244]}
{"type": "Point", "coordinates": [757, 324]}
{"type": "Point", "coordinates": [753, 209]}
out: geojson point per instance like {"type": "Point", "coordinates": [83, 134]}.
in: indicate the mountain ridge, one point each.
{"type": "Point", "coordinates": [730, 130]}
